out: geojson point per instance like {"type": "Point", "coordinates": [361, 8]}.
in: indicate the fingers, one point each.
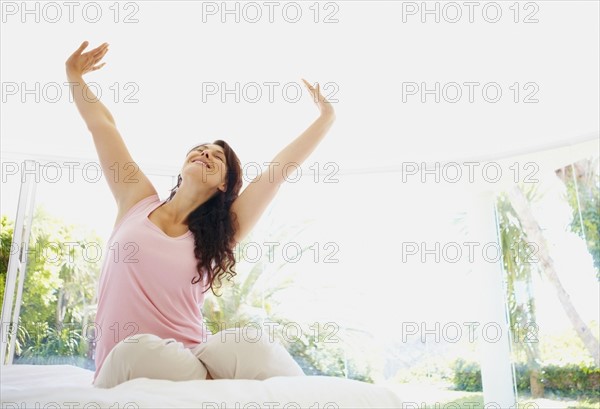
{"type": "Point", "coordinates": [101, 49]}
{"type": "Point", "coordinates": [316, 93]}
{"type": "Point", "coordinates": [81, 48]}
{"type": "Point", "coordinates": [98, 50]}
{"type": "Point", "coordinates": [93, 57]}
{"type": "Point", "coordinates": [312, 89]}
{"type": "Point", "coordinates": [98, 67]}
{"type": "Point", "coordinates": [100, 54]}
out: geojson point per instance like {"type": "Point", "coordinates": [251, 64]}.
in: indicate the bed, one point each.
{"type": "Point", "coordinates": [54, 386]}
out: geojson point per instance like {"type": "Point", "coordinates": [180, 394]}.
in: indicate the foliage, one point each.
{"type": "Point", "coordinates": [316, 355]}
{"type": "Point", "coordinates": [59, 289]}
{"type": "Point", "coordinates": [46, 341]}
{"type": "Point", "coordinates": [325, 349]}
{"type": "Point", "coordinates": [6, 233]}
{"type": "Point", "coordinates": [572, 380]}
{"type": "Point", "coordinates": [518, 266]}
{"type": "Point", "coordinates": [467, 376]}
{"type": "Point", "coordinates": [248, 300]}
{"type": "Point", "coordinates": [432, 367]}
{"type": "Point", "coordinates": [567, 348]}
{"type": "Point", "coordinates": [575, 381]}
{"type": "Point", "coordinates": [585, 195]}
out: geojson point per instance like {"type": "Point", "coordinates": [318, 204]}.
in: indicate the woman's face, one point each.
{"type": "Point", "coordinates": [206, 164]}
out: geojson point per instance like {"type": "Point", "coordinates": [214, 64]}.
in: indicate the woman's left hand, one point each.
{"type": "Point", "coordinates": [324, 106]}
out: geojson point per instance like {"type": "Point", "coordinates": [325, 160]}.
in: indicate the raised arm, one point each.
{"type": "Point", "coordinates": [127, 183]}
{"type": "Point", "coordinates": [253, 201]}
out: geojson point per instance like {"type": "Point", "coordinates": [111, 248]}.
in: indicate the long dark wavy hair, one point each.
{"type": "Point", "coordinates": [214, 226]}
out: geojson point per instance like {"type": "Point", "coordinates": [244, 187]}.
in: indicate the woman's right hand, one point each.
{"type": "Point", "coordinates": [79, 64]}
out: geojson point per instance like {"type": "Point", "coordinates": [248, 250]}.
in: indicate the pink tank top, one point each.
{"type": "Point", "coordinates": [145, 284]}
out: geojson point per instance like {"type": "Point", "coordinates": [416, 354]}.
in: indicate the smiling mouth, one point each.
{"type": "Point", "coordinates": [200, 163]}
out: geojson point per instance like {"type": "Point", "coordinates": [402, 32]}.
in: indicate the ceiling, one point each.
{"type": "Point", "coordinates": [375, 63]}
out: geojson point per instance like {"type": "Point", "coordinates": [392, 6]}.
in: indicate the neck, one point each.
{"type": "Point", "coordinates": [178, 209]}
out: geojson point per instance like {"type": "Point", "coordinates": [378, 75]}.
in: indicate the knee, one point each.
{"type": "Point", "coordinates": [135, 347]}
{"type": "Point", "coordinates": [261, 343]}
{"type": "Point", "coordinates": [272, 356]}
{"type": "Point", "coordinates": [256, 355]}
{"type": "Point", "coordinates": [119, 363]}
{"type": "Point", "coordinates": [247, 339]}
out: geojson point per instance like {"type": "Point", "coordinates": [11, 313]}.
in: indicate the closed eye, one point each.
{"type": "Point", "coordinates": [219, 155]}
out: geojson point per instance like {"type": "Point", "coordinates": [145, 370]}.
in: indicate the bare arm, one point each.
{"type": "Point", "coordinates": [127, 183]}
{"type": "Point", "coordinates": [253, 201]}
{"type": "Point", "coordinates": [91, 109]}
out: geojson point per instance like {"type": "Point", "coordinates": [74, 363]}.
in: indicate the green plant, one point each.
{"type": "Point", "coordinates": [6, 233]}
{"type": "Point", "coordinates": [467, 376]}
{"type": "Point", "coordinates": [59, 288]}
{"type": "Point", "coordinates": [573, 381]}
{"type": "Point", "coordinates": [582, 181]}
{"type": "Point", "coordinates": [249, 300]}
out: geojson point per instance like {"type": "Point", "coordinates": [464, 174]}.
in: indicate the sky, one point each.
{"type": "Point", "coordinates": [406, 89]}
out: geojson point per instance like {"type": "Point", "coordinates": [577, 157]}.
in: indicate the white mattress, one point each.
{"type": "Point", "coordinates": [53, 386]}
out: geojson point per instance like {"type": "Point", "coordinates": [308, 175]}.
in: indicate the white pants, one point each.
{"type": "Point", "coordinates": [225, 356]}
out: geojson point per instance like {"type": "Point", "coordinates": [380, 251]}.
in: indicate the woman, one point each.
{"type": "Point", "coordinates": [163, 256]}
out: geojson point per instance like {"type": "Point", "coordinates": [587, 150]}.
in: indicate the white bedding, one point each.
{"type": "Point", "coordinates": [53, 386]}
